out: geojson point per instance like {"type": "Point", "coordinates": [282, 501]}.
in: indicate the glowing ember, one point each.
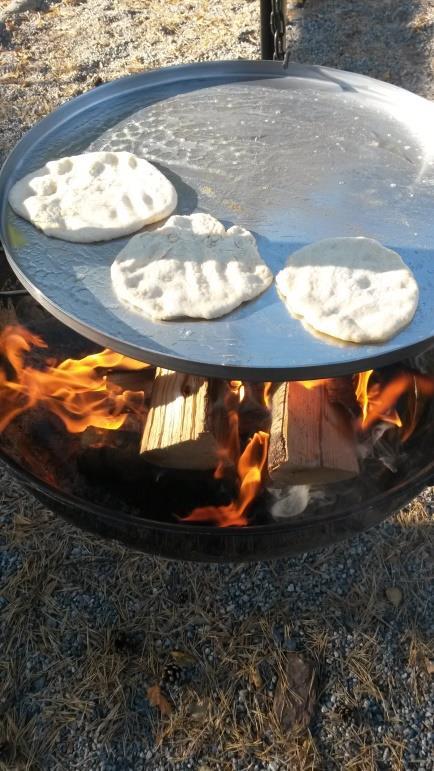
{"type": "Point", "coordinates": [250, 470]}
{"type": "Point", "coordinates": [75, 390]}
{"type": "Point", "coordinates": [378, 401]}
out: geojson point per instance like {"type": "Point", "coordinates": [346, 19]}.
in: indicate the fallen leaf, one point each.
{"type": "Point", "coordinates": [256, 679]}
{"type": "Point", "coordinates": [199, 710]}
{"type": "Point", "coordinates": [183, 659]}
{"type": "Point", "coordinates": [429, 663]}
{"type": "Point", "coordinates": [157, 698]}
{"type": "Point", "coordinates": [394, 595]}
{"type": "Point", "coordinates": [295, 695]}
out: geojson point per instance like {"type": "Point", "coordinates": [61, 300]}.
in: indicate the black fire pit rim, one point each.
{"type": "Point", "coordinates": [418, 481]}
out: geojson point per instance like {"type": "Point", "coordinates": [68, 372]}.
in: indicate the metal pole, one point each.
{"type": "Point", "coordinates": [267, 40]}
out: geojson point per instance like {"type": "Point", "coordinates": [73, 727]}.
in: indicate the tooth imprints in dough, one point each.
{"type": "Point", "coordinates": [94, 196]}
{"type": "Point", "coordinates": [190, 266]}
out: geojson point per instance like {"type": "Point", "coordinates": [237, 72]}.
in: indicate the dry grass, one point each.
{"type": "Point", "coordinates": [97, 685]}
{"type": "Point", "coordinates": [55, 54]}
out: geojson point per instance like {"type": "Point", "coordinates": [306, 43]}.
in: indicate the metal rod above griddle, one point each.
{"type": "Point", "coordinates": [267, 40]}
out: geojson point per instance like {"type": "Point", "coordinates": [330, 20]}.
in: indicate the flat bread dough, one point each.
{"type": "Point", "coordinates": [350, 288]}
{"type": "Point", "coordinates": [94, 196]}
{"type": "Point", "coordinates": [190, 266]}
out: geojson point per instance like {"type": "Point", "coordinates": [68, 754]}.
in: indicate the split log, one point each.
{"type": "Point", "coordinates": [253, 414]}
{"type": "Point", "coordinates": [132, 380]}
{"type": "Point", "coordinates": [340, 390]}
{"type": "Point", "coordinates": [311, 440]}
{"type": "Point", "coordinates": [124, 442]}
{"type": "Point", "coordinates": [186, 422]}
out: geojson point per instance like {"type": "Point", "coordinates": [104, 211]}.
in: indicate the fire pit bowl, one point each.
{"type": "Point", "coordinates": [100, 484]}
{"type": "Point", "coordinates": [200, 543]}
{"type": "Point", "coordinates": [152, 441]}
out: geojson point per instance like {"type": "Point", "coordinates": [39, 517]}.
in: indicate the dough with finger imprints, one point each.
{"type": "Point", "coordinates": [189, 267]}
{"type": "Point", "coordinates": [94, 196]}
{"type": "Point", "coordinates": [353, 289]}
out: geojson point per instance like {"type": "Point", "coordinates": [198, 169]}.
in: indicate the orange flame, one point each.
{"type": "Point", "coordinates": [237, 387]}
{"type": "Point", "coordinates": [74, 390]}
{"type": "Point", "coordinates": [310, 384]}
{"type": "Point", "coordinates": [267, 394]}
{"type": "Point", "coordinates": [378, 402]}
{"type": "Point", "coordinates": [78, 392]}
{"type": "Point", "coordinates": [250, 465]}
{"type": "Point", "coordinates": [362, 397]}
{"type": "Point", "coordinates": [250, 470]}
{"type": "Point", "coordinates": [230, 452]}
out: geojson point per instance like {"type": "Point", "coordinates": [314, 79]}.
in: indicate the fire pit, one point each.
{"type": "Point", "coordinates": [247, 438]}
{"type": "Point", "coordinates": [262, 471]}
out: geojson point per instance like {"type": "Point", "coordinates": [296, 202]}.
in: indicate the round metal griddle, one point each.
{"type": "Point", "coordinates": [294, 156]}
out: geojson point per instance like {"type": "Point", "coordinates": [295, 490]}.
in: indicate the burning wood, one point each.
{"type": "Point", "coordinates": [140, 380]}
{"type": "Point", "coordinates": [253, 413]}
{"type": "Point", "coordinates": [74, 390]}
{"type": "Point", "coordinates": [311, 439]}
{"type": "Point", "coordinates": [122, 413]}
{"type": "Point", "coordinates": [378, 402]}
{"type": "Point", "coordinates": [340, 390]}
{"type": "Point", "coordinates": [185, 426]}
{"type": "Point", "coordinates": [250, 469]}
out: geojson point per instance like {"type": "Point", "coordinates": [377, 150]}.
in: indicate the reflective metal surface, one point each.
{"type": "Point", "coordinates": [294, 156]}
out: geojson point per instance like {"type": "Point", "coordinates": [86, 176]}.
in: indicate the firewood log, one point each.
{"type": "Point", "coordinates": [311, 439]}
{"type": "Point", "coordinates": [132, 380]}
{"type": "Point", "coordinates": [186, 422]}
{"type": "Point", "coordinates": [340, 390]}
{"type": "Point", "coordinates": [253, 413]}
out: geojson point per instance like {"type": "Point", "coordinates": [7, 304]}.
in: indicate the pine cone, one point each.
{"type": "Point", "coordinates": [172, 675]}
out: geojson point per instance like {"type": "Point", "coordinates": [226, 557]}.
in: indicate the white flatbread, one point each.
{"type": "Point", "coordinates": [190, 266]}
{"type": "Point", "coordinates": [94, 196]}
{"type": "Point", "coordinates": [353, 289]}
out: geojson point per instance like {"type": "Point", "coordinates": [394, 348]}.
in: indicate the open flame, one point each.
{"type": "Point", "coordinates": [362, 381]}
{"type": "Point", "coordinates": [78, 392]}
{"type": "Point", "coordinates": [75, 390]}
{"type": "Point", "coordinates": [238, 387]}
{"type": "Point", "coordinates": [267, 394]}
{"type": "Point", "coordinates": [250, 470]}
{"type": "Point", "coordinates": [249, 464]}
{"type": "Point", "coordinates": [310, 384]}
{"type": "Point", "coordinates": [378, 401]}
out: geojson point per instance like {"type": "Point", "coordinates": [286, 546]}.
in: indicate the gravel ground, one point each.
{"type": "Point", "coordinates": [87, 628]}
